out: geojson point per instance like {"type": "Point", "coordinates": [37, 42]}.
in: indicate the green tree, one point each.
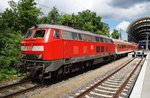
{"type": "Point", "coordinates": [115, 34]}
{"type": "Point", "coordinates": [86, 20]}
{"type": "Point", "coordinates": [66, 20]}
{"type": "Point", "coordinates": [42, 20]}
{"type": "Point", "coordinates": [54, 16]}
{"type": "Point", "coordinates": [27, 14]}
{"type": "Point", "coordinates": [9, 53]}
{"type": "Point", "coordinates": [104, 31]}
{"type": "Point", "coordinates": [19, 17]}
{"type": "Point", "coordinates": [9, 20]}
{"type": "Point", "coordinates": [88, 26]}
{"type": "Point", "coordinates": [90, 19]}
{"type": "Point", "coordinates": [100, 32]}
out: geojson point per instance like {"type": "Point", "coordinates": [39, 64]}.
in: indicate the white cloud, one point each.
{"type": "Point", "coordinates": [104, 8]}
{"type": "Point", "coordinates": [4, 4]}
{"type": "Point", "coordinates": [65, 6]}
{"type": "Point", "coordinates": [111, 32]}
{"type": "Point", "coordinates": [123, 25]}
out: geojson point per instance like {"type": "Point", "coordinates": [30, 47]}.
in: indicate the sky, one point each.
{"type": "Point", "coordinates": [118, 14]}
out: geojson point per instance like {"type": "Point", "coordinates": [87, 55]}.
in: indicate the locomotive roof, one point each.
{"type": "Point", "coordinates": [121, 41]}
{"type": "Point", "coordinates": [68, 29]}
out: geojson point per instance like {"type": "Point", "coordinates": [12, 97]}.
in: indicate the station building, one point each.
{"type": "Point", "coordinates": [139, 32]}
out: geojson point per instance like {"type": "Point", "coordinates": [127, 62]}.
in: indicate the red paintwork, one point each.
{"type": "Point", "coordinates": [128, 46]}
{"type": "Point", "coordinates": [60, 48]}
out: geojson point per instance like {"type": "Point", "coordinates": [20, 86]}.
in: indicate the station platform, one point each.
{"type": "Point", "coordinates": [142, 85]}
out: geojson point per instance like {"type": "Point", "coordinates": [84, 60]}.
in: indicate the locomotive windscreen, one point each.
{"type": "Point", "coordinates": [28, 34]}
{"type": "Point", "coordinates": [39, 34]}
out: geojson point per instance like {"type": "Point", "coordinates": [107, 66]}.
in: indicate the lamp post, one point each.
{"type": "Point", "coordinates": [120, 34]}
{"type": "Point", "coordinates": [147, 41]}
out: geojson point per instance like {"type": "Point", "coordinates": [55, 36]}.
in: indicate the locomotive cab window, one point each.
{"type": "Point", "coordinates": [39, 34]}
{"type": "Point", "coordinates": [28, 34]}
{"type": "Point", "coordinates": [56, 34]}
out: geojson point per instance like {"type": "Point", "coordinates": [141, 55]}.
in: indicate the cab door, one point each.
{"type": "Point", "coordinates": [67, 44]}
{"type": "Point", "coordinates": [57, 45]}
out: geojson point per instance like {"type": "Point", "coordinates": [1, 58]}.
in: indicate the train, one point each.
{"type": "Point", "coordinates": [55, 50]}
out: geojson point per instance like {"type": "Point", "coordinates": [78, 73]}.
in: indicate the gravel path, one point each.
{"type": "Point", "coordinates": [60, 89]}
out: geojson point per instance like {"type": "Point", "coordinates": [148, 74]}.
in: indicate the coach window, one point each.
{"type": "Point", "coordinates": [74, 36]}
{"type": "Point", "coordinates": [102, 50]}
{"type": "Point", "coordinates": [88, 37]}
{"type": "Point", "coordinates": [108, 40]}
{"type": "Point", "coordinates": [106, 49]}
{"type": "Point", "coordinates": [118, 46]}
{"type": "Point", "coordinates": [66, 35]}
{"type": "Point", "coordinates": [97, 39]}
{"type": "Point", "coordinates": [111, 41]}
{"type": "Point", "coordinates": [83, 37]}
{"type": "Point", "coordinates": [80, 37]}
{"type": "Point", "coordinates": [57, 34]}
{"type": "Point", "coordinates": [97, 48]}
{"type": "Point", "coordinates": [101, 39]}
{"type": "Point", "coordinates": [93, 39]}
{"type": "Point", "coordinates": [104, 40]}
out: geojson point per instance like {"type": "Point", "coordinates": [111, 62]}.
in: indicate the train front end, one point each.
{"type": "Point", "coordinates": [33, 51]}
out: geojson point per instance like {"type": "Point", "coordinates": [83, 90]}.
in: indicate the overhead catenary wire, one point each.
{"type": "Point", "coordinates": [48, 7]}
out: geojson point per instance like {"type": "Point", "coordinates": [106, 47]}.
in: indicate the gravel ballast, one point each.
{"type": "Point", "coordinates": [60, 89]}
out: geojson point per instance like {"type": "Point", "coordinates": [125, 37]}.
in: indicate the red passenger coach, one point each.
{"type": "Point", "coordinates": [51, 50]}
{"type": "Point", "coordinates": [123, 48]}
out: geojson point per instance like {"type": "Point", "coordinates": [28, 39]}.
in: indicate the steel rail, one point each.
{"type": "Point", "coordinates": [82, 94]}
{"type": "Point", "coordinates": [15, 84]}
{"type": "Point", "coordinates": [20, 92]}
{"type": "Point", "coordinates": [7, 87]}
{"type": "Point", "coordinates": [121, 88]}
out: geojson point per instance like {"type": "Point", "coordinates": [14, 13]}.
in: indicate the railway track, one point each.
{"type": "Point", "coordinates": [16, 89]}
{"type": "Point", "coordinates": [117, 84]}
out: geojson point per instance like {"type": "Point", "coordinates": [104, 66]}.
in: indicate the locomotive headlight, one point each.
{"type": "Point", "coordinates": [37, 48]}
{"type": "Point", "coordinates": [23, 48]}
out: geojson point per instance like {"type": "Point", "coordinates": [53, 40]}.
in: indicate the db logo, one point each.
{"type": "Point", "coordinates": [29, 48]}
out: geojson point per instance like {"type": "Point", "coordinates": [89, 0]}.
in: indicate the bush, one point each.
{"type": "Point", "coordinates": [9, 53]}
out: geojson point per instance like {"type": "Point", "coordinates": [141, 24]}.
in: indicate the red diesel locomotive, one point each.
{"type": "Point", "coordinates": [54, 50]}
